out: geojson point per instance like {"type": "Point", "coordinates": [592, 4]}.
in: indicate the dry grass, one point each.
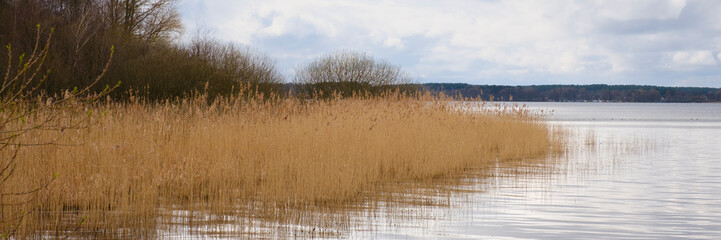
{"type": "Point", "coordinates": [273, 154]}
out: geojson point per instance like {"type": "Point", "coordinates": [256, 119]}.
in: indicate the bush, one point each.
{"type": "Point", "coordinates": [241, 66]}
{"type": "Point", "coordinates": [347, 73]}
{"type": "Point", "coordinates": [159, 71]}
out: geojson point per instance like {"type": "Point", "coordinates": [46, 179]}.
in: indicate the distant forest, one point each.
{"type": "Point", "coordinates": [579, 93]}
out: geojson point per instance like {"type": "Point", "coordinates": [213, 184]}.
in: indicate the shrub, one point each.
{"type": "Point", "coordinates": [241, 66]}
{"type": "Point", "coordinates": [160, 71]}
{"type": "Point", "coordinates": [347, 73]}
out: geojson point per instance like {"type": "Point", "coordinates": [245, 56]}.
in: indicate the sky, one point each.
{"type": "Point", "coordinates": [642, 42]}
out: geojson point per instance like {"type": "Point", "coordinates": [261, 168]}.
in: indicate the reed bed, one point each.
{"type": "Point", "coordinates": [113, 176]}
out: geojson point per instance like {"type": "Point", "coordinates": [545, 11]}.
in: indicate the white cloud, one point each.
{"type": "Point", "coordinates": [393, 42]}
{"type": "Point", "coordinates": [639, 9]}
{"type": "Point", "coordinates": [521, 38]}
{"type": "Point", "coordinates": [689, 60]}
{"type": "Point", "coordinates": [620, 63]}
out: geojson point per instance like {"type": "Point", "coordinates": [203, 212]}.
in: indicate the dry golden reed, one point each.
{"type": "Point", "coordinates": [114, 175]}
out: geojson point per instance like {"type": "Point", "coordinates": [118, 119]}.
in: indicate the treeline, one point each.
{"type": "Point", "coordinates": [146, 61]}
{"type": "Point", "coordinates": [149, 61]}
{"type": "Point", "coordinates": [563, 93]}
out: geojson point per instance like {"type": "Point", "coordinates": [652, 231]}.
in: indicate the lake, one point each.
{"type": "Point", "coordinates": [631, 171]}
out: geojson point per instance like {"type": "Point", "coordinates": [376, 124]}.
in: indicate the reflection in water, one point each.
{"type": "Point", "coordinates": [631, 171]}
{"type": "Point", "coordinates": [405, 209]}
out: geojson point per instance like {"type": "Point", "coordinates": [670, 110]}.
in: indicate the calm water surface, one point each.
{"type": "Point", "coordinates": [632, 171]}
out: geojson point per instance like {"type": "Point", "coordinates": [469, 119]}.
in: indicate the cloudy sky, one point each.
{"type": "Point", "coordinates": [655, 42]}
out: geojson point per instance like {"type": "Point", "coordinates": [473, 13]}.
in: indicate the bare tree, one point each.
{"type": "Point", "coordinates": [347, 72]}
{"type": "Point", "coordinates": [82, 29]}
{"type": "Point", "coordinates": [243, 64]}
{"type": "Point", "coordinates": [146, 19]}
